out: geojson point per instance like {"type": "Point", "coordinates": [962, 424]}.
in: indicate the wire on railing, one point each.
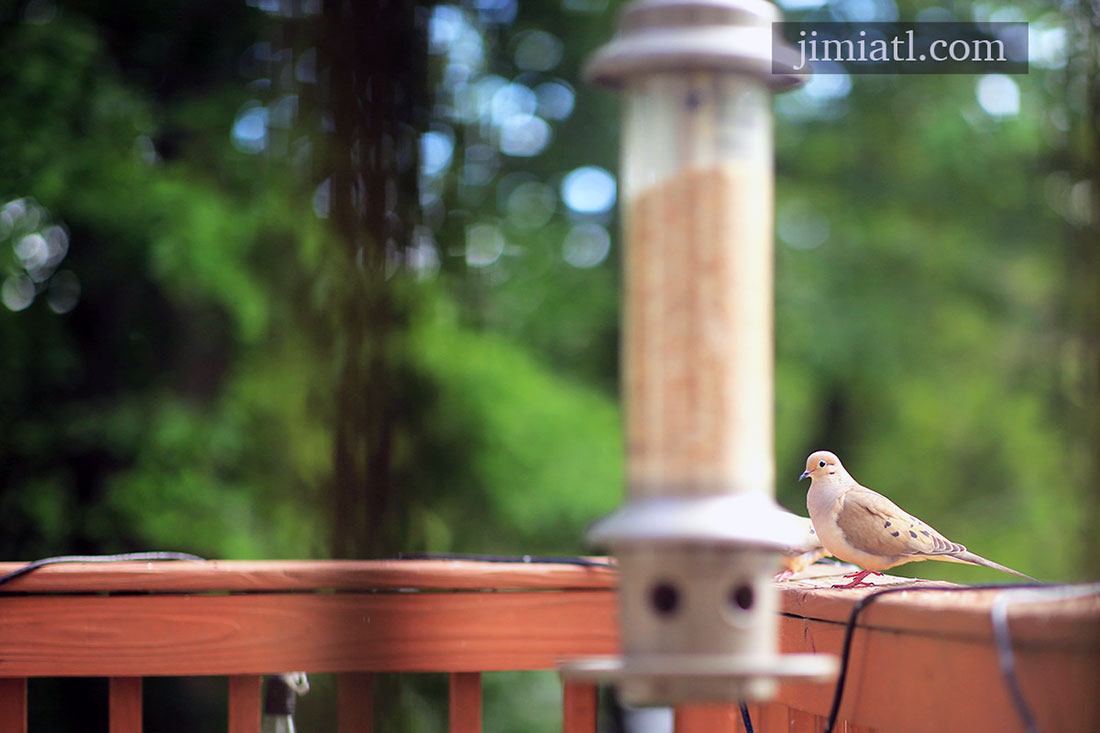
{"type": "Point", "coordinates": [998, 616]}
{"type": "Point", "coordinates": [124, 557]}
{"type": "Point", "coordinates": [745, 717]}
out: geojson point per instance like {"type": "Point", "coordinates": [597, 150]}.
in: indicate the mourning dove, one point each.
{"type": "Point", "coordinates": [802, 555]}
{"type": "Point", "coordinates": [863, 527]}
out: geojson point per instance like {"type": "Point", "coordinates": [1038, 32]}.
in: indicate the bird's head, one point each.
{"type": "Point", "coordinates": [821, 464]}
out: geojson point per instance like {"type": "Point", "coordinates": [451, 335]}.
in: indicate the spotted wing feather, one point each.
{"type": "Point", "coordinates": [875, 525]}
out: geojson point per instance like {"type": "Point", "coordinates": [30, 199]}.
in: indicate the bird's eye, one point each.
{"type": "Point", "coordinates": [821, 464]}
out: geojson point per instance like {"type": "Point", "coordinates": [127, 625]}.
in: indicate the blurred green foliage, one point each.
{"type": "Point", "coordinates": [172, 368]}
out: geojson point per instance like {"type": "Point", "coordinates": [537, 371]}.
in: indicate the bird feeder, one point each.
{"type": "Point", "coordinates": [700, 537]}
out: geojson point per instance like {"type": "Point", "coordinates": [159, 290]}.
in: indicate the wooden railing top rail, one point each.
{"type": "Point", "coordinates": [925, 660]}
{"type": "Point", "coordinates": [289, 576]}
{"type": "Point", "coordinates": [964, 613]}
{"type": "Point", "coordinates": [921, 660]}
{"type": "Point", "coordinates": [211, 618]}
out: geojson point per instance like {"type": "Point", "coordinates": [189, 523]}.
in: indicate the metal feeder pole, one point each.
{"type": "Point", "coordinates": [699, 538]}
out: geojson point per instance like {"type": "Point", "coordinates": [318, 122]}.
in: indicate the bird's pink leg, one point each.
{"type": "Point", "coordinates": [857, 579]}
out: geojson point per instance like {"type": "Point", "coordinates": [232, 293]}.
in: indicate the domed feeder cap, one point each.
{"type": "Point", "coordinates": [696, 35]}
{"type": "Point", "coordinates": [748, 519]}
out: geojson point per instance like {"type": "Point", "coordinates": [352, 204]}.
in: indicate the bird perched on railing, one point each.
{"type": "Point", "coordinates": [802, 554]}
{"type": "Point", "coordinates": [863, 527]}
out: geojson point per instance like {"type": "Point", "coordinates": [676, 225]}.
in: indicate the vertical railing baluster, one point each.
{"type": "Point", "coordinates": [13, 704]}
{"type": "Point", "coordinates": [578, 707]}
{"type": "Point", "coordinates": [718, 718]}
{"type": "Point", "coordinates": [245, 703]}
{"type": "Point", "coordinates": [799, 721]}
{"type": "Point", "coordinates": [754, 716]}
{"type": "Point", "coordinates": [465, 707]}
{"type": "Point", "coordinates": [355, 702]}
{"type": "Point", "coordinates": [124, 705]}
{"type": "Point", "coordinates": [772, 716]}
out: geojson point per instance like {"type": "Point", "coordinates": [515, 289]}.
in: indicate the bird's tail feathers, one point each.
{"type": "Point", "coordinates": [969, 557]}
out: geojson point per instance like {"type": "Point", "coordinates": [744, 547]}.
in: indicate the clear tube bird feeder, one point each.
{"type": "Point", "coordinates": [699, 538]}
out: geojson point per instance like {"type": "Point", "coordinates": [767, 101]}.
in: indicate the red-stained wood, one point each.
{"type": "Point", "coordinates": [708, 718]}
{"type": "Point", "coordinates": [965, 612]}
{"type": "Point", "coordinates": [754, 715]}
{"type": "Point", "coordinates": [13, 704]}
{"type": "Point", "coordinates": [802, 722]}
{"type": "Point", "coordinates": [124, 705]}
{"type": "Point", "coordinates": [920, 661]}
{"type": "Point", "coordinates": [271, 633]}
{"type": "Point", "coordinates": [305, 575]}
{"type": "Point", "coordinates": [245, 707]}
{"type": "Point", "coordinates": [355, 702]}
{"type": "Point", "coordinates": [579, 707]}
{"type": "Point", "coordinates": [917, 681]}
{"type": "Point", "coordinates": [922, 609]}
{"type": "Point", "coordinates": [465, 702]}
{"type": "Point", "coordinates": [772, 718]}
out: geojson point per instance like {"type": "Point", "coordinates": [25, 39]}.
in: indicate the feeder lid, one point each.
{"type": "Point", "coordinates": [690, 35]}
{"type": "Point", "coordinates": [744, 519]}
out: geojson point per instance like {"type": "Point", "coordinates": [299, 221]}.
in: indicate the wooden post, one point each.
{"type": "Point", "coordinates": [465, 708]}
{"type": "Point", "coordinates": [579, 707]}
{"type": "Point", "coordinates": [245, 703]}
{"type": "Point", "coordinates": [13, 704]}
{"type": "Point", "coordinates": [355, 702]}
{"type": "Point", "coordinates": [125, 705]}
{"type": "Point", "coordinates": [720, 718]}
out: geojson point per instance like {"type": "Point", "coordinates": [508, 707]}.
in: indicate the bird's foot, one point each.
{"type": "Point", "coordinates": [857, 579]}
{"type": "Point", "coordinates": [783, 575]}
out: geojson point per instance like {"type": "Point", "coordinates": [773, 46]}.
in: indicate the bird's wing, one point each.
{"type": "Point", "coordinates": [875, 525]}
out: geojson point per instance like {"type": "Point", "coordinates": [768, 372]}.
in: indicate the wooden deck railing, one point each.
{"type": "Point", "coordinates": [920, 662]}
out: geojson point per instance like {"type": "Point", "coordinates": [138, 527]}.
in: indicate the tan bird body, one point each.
{"type": "Point", "coordinates": [865, 528]}
{"type": "Point", "coordinates": [809, 550]}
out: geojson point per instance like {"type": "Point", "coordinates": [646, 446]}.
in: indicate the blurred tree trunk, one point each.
{"type": "Point", "coordinates": [375, 54]}
{"type": "Point", "coordinates": [1082, 156]}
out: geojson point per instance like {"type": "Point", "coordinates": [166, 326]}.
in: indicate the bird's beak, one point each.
{"type": "Point", "coordinates": [804, 475]}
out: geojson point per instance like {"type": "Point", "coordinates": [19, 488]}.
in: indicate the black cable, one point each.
{"type": "Point", "coordinates": [129, 556]}
{"type": "Point", "coordinates": [539, 559]}
{"type": "Point", "coordinates": [1006, 660]}
{"type": "Point", "coordinates": [745, 716]}
{"type": "Point", "coordinates": [998, 616]}
{"type": "Point", "coordinates": [838, 694]}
